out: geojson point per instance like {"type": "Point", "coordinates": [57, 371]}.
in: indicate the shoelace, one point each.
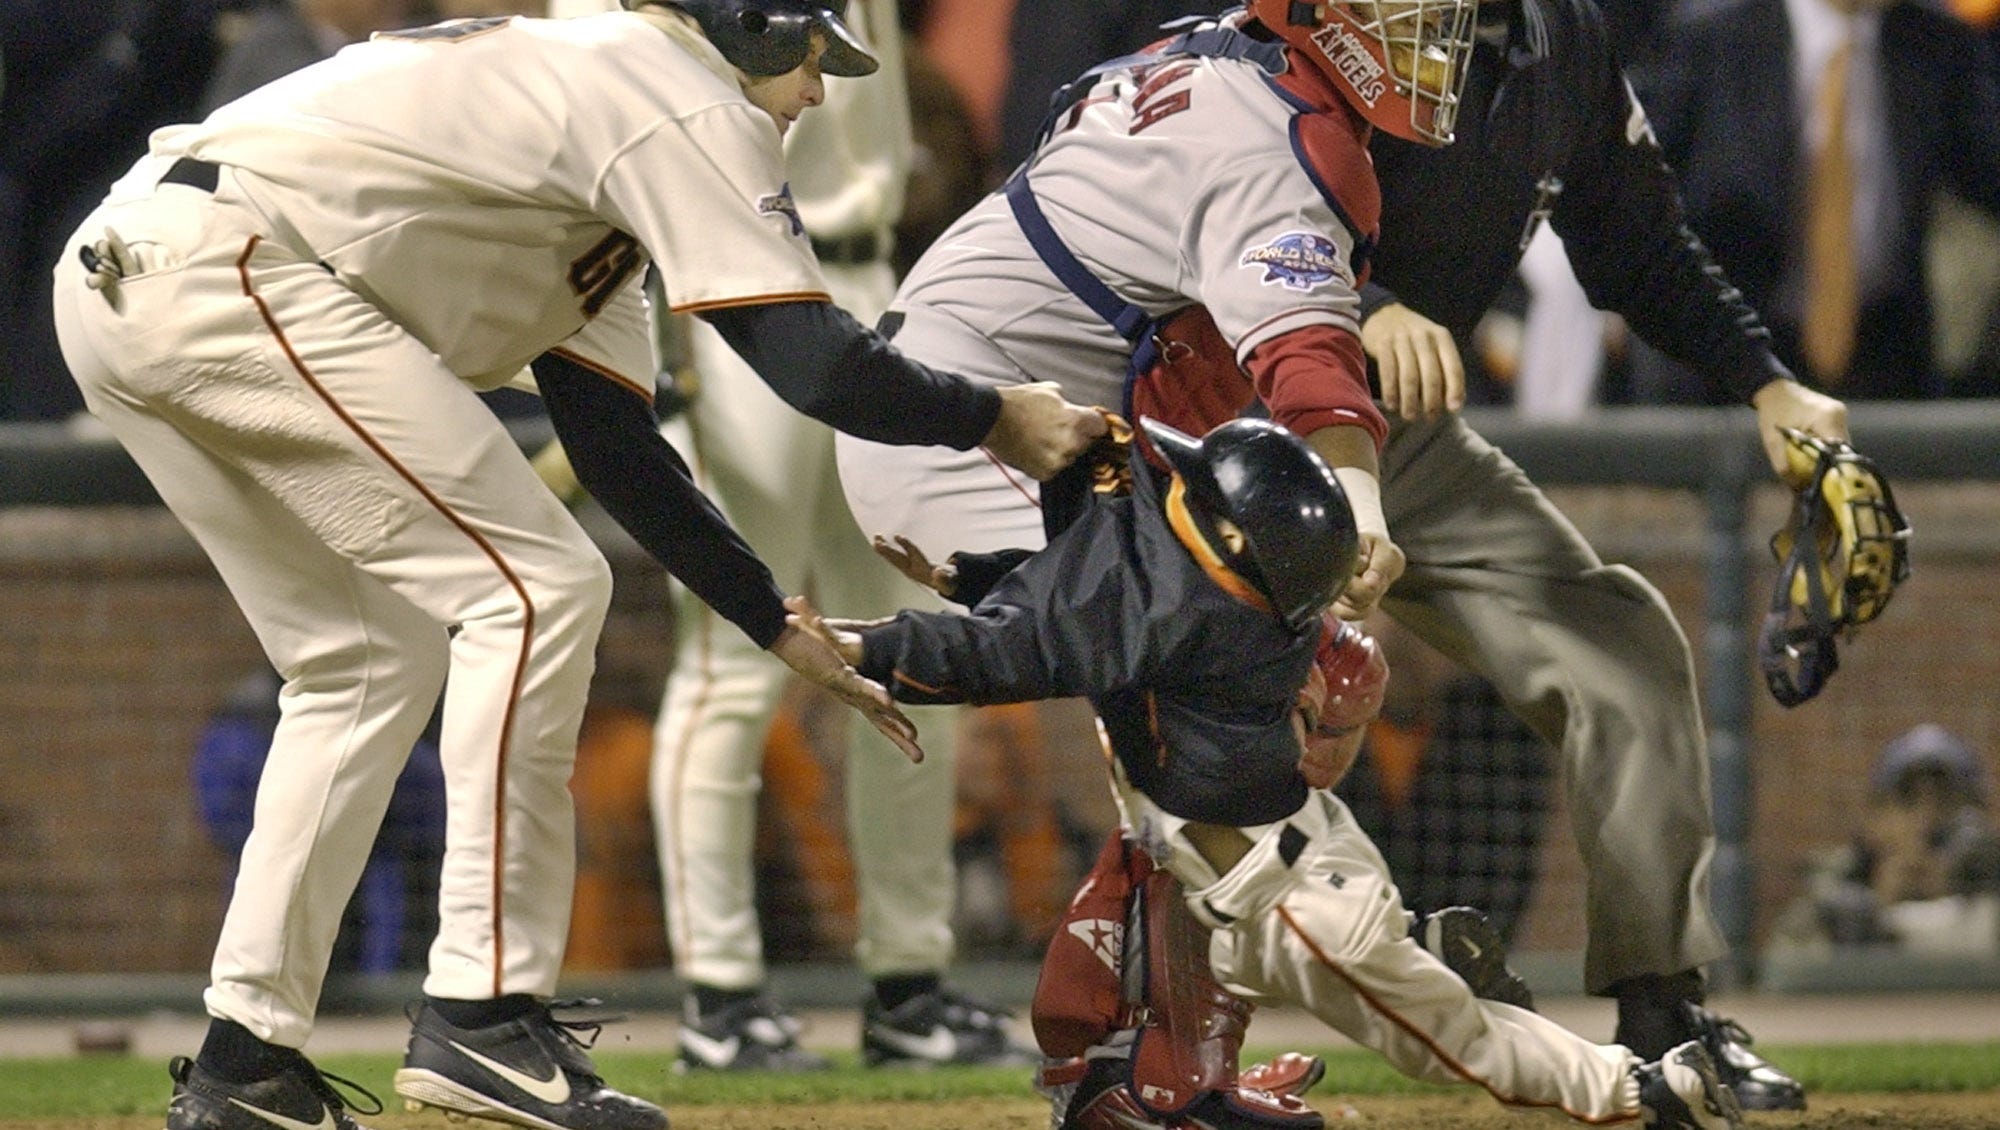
{"type": "Point", "coordinates": [322, 1084]}
{"type": "Point", "coordinates": [569, 1028]}
{"type": "Point", "coordinates": [1722, 1026]}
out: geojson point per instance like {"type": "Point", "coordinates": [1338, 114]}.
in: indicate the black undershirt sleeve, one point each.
{"type": "Point", "coordinates": [614, 443]}
{"type": "Point", "coordinates": [821, 361]}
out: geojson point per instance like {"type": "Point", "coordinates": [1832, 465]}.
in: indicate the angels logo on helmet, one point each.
{"type": "Point", "coordinates": [1401, 63]}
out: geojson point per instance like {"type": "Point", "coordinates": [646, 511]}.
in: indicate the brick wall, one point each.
{"type": "Point", "coordinates": [117, 640]}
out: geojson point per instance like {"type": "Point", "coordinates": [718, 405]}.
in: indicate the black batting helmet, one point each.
{"type": "Point", "coordinates": [1300, 543]}
{"type": "Point", "coordinates": [772, 37]}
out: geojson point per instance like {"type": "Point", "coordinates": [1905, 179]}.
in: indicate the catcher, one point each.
{"type": "Point", "coordinates": [1190, 608]}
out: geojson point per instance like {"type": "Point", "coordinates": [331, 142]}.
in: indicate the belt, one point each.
{"type": "Point", "coordinates": [204, 175]}
{"type": "Point", "coordinates": [852, 250]}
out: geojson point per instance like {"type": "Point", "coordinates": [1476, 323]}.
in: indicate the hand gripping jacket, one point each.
{"type": "Point", "coordinates": [1840, 557]}
{"type": "Point", "coordinates": [772, 37]}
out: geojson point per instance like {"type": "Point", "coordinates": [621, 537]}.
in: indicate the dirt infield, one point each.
{"type": "Point", "coordinates": [1401, 1112]}
{"type": "Point", "coordinates": [1380, 1112]}
{"type": "Point", "coordinates": [1975, 1111]}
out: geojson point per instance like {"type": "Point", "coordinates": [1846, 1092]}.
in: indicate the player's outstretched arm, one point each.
{"type": "Point", "coordinates": [825, 364]}
{"type": "Point", "coordinates": [807, 647]}
{"type": "Point", "coordinates": [1350, 451]}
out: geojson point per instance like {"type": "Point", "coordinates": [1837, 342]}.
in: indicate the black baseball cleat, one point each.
{"type": "Point", "coordinates": [1755, 1082]}
{"type": "Point", "coordinates": [530, 1071]}
{"type": "Point", "coordinates": [1463, 939]}
{"type": "Point", "coordinates": [300, 1097]}
{"type": "Point", "coordinates": [1681, 1091]}
{"type": "Point", "coordinates": [1655, 1013]}
{"type": "Point", "coordinates": [936, 1028]}
{"type": "Point", "coordinates": [749, 1035]}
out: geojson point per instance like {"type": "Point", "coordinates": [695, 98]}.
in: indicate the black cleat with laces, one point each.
{"type": "Point", "coordinates": [530, 1071]}
{"type": "Point", "coordinates": [1655, 1013]}
{"type": "Point", "coordinates": [298, 1096]}
{"type": "Point", "coordinates": [752, 1034]}
{"type": "Point", "coordinates": [940, 1027]}
{"type": "Point", "coordinates": [1756, 1083]}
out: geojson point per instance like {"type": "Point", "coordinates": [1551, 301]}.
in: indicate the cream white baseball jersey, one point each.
{"type": "Point", "coordinates": [309, 287]}
{"type": "Point", "coordinates": [494, 183]}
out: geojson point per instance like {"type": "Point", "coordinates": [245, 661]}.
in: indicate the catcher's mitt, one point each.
{"type": "Point", "coordinates": [1840, 558]}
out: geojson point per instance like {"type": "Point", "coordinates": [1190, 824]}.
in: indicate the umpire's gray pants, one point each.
{"type": "Point", "coordinates": [1591, 658]}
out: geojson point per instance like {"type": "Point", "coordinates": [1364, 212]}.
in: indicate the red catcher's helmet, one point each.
{"type": "Point", "coordinates": [1401, 63]}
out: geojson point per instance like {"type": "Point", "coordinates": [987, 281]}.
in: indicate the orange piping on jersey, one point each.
{"type": "Point", "coordinates": [905, 680]}
{"type": "Point", "coordinates": [610, 374]}
{"type": "Point", "coordinates": [754, 300]}
{"type": "Point", "coordinates": [1013, 480]}
{"type": "Point", "coordinates": [485, 546]}
{"type": "Point", "coordinates": [1229, 580]}
{"type": "Point", "coordinates": [1424, 1038]}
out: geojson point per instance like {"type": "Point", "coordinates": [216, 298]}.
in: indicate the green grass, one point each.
{"type": "Point", "coordinates": [111, 1086]}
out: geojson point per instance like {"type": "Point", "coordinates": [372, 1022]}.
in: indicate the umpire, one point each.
{"type": "Point", "coordinates": [1588, 654]}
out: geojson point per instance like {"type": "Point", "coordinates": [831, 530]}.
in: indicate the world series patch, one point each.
{"type": "Point", "coordinates": [1298, 260]}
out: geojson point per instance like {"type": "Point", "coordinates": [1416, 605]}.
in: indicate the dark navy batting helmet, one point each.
{"type": "Point", "coordinates": [772, 37]}
{"type": "Point", "coordinates": [1299, 543]}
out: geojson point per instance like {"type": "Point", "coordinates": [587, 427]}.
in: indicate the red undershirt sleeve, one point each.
{"type": "Point", "coordinates": [1316, 377]}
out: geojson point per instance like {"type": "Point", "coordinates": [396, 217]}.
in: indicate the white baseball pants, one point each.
{"type": "Point", "coordinates": [1309, 916]}
{"type": "Point", "coordinates": [771, 471]}
{"type": "Point", "coordinates": [385, 538]}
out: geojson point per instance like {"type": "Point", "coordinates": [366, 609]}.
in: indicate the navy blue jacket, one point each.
{"type": "Point", "coordinates": [1195, 688]}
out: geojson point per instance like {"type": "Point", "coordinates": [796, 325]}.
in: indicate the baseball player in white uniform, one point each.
{"type": "Point", "coordinates": [283, 313]}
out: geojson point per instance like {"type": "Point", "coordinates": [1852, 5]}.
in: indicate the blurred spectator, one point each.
{"type": "Point", "coordinates": [1812, 137]}
{"type": "Point", "coordinates": [615, 914]}
{"type": "Point", "coordinates": [1054, 41]}
{"type": "Point", "coordinates": [85, 84]}
{"type": "Point", "coordinates": [393, 915]}
{"type": "Point", "coordinates": [1451, 786]}
{"type": "Point", "coordinates": [1923, 869]}
{"type": "Point", "coordinates": [1964, 260]}
{"type": "Point", "coordinates": [960, 38]}
{"type": "Point", "coordinates": [279, 38]}
{"type": "Point", "coordinates": [948, 172]}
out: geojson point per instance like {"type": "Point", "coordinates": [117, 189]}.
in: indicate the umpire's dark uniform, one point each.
{"type": "Point", "coordinates": [1588, 654]}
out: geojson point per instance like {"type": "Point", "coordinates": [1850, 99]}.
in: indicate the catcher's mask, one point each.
{"type": "Point", "coordinates": [1840, 556]}
{"type": "Point", "coordinates": [1400, 63]}
{"type": "Point", "coordinates": [1299, 543]}
{"type": "Point", "coordinates": [773, 37]}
